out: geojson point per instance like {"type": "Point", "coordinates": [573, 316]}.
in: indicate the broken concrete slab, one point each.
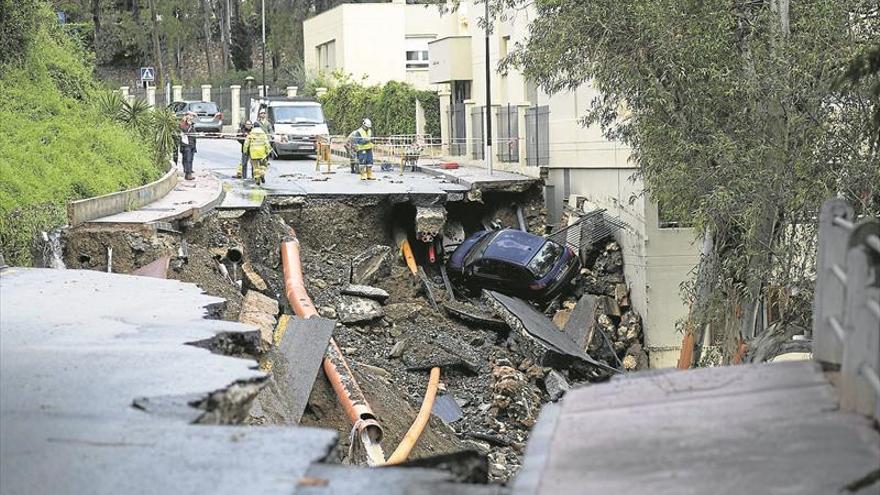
{"type": "Point", "coordinates": [253, 278]}
{"type": "Point", "coordinates": [260, 311]}
{"type": "Point", "coordinates": [430, 221]}
{"type": "Point", "coordinates": [470, 313]}
{"type": "Point", "coordinates": [107, 341]}
{"type": "Point", "coordinates": [581, 324]}
{"type": "Point", "coordinates": [295, 366]}
{"type": "Point", "coordinates": [366, 291]}
{"type": "Point", "coordinates": [537, 335]}
{"type": "Point", "coordinates": [372, 265]}
{"type": "Point", "coordinates": [358, 310]}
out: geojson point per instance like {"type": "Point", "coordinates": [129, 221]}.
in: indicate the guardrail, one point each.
{"type": "Point", "coordinates": [85, 210]}
{"type": "Point", "coordinates": [846, 319]}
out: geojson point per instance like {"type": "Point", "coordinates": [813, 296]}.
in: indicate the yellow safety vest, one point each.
{"type": "Point", "coordinates": [257, 144]}
{"type": "Point", "coordinates": [368, 145]}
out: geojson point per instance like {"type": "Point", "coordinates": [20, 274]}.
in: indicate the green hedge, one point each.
{"type": "Point", "coordinates": [391, 107]}
{"type": "Point", "coordinates": [56, 146]}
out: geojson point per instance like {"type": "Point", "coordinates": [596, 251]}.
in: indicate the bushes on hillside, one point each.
{"type": "Point", "coordinates": [57, 146]}
{"type": "Point", "coordinates": [17, 19]}
{"type": "Point", "coordinates": [391, 107]}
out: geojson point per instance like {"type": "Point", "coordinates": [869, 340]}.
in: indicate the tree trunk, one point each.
{"type": "Point", "coordinates": [157, 50]}
{"type": "Point", "coordinates": [96, 19]}
{"type": "Point", "coordinates": [207, 27]}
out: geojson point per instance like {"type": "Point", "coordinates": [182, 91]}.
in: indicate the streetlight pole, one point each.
{"type": "Point", "coordinates": [265, 92]}
{"type": "Point", "coordinates": [488, 151]}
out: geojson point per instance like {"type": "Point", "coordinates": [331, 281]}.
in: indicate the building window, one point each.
{"type": "Point", "coordinates": [325, 54]}
{"type": "Point", "coordinates": [417, 59]}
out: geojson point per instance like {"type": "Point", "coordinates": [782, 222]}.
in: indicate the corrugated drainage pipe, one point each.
{"type": "Point", "coordinates": [344, 384]}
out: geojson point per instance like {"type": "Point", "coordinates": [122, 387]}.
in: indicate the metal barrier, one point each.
{"type": "Point", "coordinates": [846, 319]}
{"type": "Point", "coordinates": [587, 231]}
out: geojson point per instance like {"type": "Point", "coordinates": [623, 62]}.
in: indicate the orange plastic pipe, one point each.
{"type": "Point", "coordinates": [415, 431]}
{"type": "Point", "coordinates": [341, 378]}
{"type": "Point", "coordinates": [406, 249]}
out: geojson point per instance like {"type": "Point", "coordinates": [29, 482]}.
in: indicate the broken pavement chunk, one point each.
{"type": "Point", "coordinates": [253, 278]}
{"type": "Point", "coordinates": [372, 265]}
{"type": "Point", "coordinates": [259, 310]}
{"type": "Point", "coordinates": [447, 409]}
{"type": "Point", "coordinates": [430, 221]}
{"type": "Point", "coordinates": [366, 291]}
{"type": "Point", "coordinates": [536, 334]}
{"type": "Point", "coordinates": [358, 310]}
{"type": "Point", "coordinates": [472, 314]}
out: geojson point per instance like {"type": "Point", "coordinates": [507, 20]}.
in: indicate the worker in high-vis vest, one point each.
{"type": "Point", "coordinates": [363, 141]}
{"type": "Point", "coordinates": [257, 146]}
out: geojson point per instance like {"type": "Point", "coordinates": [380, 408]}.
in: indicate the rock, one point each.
{"type": "Point", "coordinates": [403, 311]}
{"type": "Point", "coordinates": [497, 471]}
{"type": "Point", "coordinates": [398, 349]}
{"type": "Point", "coordinates": [328, 312]}
{"type": "Point", "coordinates": [367, 292]}
{"type": "Point", "coordinates": [556, 385]}
{"type": "Point", "coordinates": [609, 306]}
{"type": "Point", "coordinates": [349, 351]}
{"type": "Point", "coordinates": [395, 331]}
{"type": "Point", "coordinates": [561, 317]}
{"type": "Point", "coordinates": [358, 310]}
{"type": "Point", "coordinates": [630, 329]}
{"type": "Point", "coordinates": [318, 284]}
{"type": "Point", "coordinates": [478, 341]}
{"type": "Point", "coordinates": [253, 279]}
{"type": "Point", "coordinates": [260, 311]}
{"type": "Point", "coordinates": [372, 265]}
{"type": "Point", "coordinates": [513, 396]}
{"type": "Point", "coordinates": [621, 295]}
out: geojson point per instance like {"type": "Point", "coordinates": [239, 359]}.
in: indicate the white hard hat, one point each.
{"type": "Point", "coordinates": [367, 123]}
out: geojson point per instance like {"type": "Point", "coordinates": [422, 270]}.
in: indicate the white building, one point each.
{"type": "Point", "coordinates": [533, 134]}
{"type": "Point", "coordinates": [378, 42]}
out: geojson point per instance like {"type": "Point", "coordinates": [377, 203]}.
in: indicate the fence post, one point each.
{"type": "Point", "coordinates": [521, 132]}
{"type": "Point", "coordinates": [291, 91]}
{"type": "Point", "coordinates": [151, 96]}
{"type": "Point", "coordinates": [123, 91]}
{"type": "Point", "coordinates": [206, 92]}
{"type": "Point", "coordinates": [830, 292]}
{"type": "Point", "coordinates": [445, 119]}
{"type": "Point", "coordinates": [177, 92]}
{"type": "Point", "coordinates": [468, 128]}
{"type": "Point", "coordinates": [861, 351]}
{"type": "Point", "coordinates": [235, 106]}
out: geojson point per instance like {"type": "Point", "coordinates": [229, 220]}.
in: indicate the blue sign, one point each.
{"type": "Point", "coordinates": [148, 74]}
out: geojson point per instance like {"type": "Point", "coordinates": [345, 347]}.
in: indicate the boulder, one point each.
{"type": "Point", "coordinates": [556, 385]}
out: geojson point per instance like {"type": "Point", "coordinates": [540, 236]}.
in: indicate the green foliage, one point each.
{"type": "Point", "coordinates": [733, 119]}
{"type": "Point", "coordinates": [391, 106]}
{"type": "Point", "coordinates": [57, 147]}
{"type": "Point", "coordinates": [17, 18]}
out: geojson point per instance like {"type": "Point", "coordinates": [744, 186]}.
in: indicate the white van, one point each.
{"type": "Point", "coordinates": [296, 122]}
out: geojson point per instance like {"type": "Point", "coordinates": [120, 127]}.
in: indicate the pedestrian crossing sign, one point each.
{"type": "Point", "coordinates": [148, 74]}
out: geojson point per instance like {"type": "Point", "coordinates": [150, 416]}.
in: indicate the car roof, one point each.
{"type": "Point", "coordinates": [514, 246]}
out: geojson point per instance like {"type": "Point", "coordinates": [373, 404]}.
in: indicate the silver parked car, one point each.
{"type": "Point", "coordinates": [209, 118]}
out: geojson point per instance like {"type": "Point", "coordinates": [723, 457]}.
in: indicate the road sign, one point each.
{"type": "Point", "coordinates": [148, 74]}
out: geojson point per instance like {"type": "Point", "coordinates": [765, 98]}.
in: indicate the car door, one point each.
{"type": "Point", "coordinates": [489, 273]}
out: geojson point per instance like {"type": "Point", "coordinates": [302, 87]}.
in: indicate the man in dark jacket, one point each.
{"type": "Point", "coordinates": [186, 145]}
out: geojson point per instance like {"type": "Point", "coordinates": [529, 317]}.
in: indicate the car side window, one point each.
{"type": "Point", "coordinates": [491, 268]}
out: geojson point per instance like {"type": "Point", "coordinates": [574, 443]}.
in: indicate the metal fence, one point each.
{"type": "Point", "coordinates": [538, 136]}
{"type": "Point", "coordinates": [508, 133]}
{"type": "Point", "coordinates": [586, 231]}
{"type": "Point", "coordinates": [192, 94]}
{"type": "Point", "coordinates": [846, 319]}
{"type": "Point", "coordinates": [479, 143]}
{"type": "Point", "coordinates": [457, 144]}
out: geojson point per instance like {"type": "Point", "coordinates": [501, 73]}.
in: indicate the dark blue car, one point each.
{"type": "Point", "coordinates": [513, 262]}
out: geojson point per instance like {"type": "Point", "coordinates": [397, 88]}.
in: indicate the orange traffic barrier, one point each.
{"type": "Point", "coordinates": [341, 378]}
{"type": "Point", "coordinates": [415, 431]}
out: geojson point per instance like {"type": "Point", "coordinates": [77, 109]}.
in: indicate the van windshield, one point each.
{"type": "Point", "coordinates": [310, 114]}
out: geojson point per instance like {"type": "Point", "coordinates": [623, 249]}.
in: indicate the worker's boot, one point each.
{"type": "Point", "coordinates": [369, 172]}
{"type": "Point", "coordinates": [363, 171]}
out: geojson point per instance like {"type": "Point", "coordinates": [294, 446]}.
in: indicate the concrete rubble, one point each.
{"type": "Point", "coordinates": [372, 265]}
{"type": "Point", "coordinates": [358, 310]}
{"type": "Point", "coordinates": [260, 311]}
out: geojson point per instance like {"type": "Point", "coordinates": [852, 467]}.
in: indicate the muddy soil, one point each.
{"type": "Point", "coordinates": [498, 390]}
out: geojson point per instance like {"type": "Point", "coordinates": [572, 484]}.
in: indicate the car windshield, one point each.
{"type": "Point", "coordinates": [480, 248]}
{"type": "Point", "coordinates": [307, 114]}
{"type": "Point", "coordinates": [204, 107]}
{"type": "Point", "coordinates": [545, 258]}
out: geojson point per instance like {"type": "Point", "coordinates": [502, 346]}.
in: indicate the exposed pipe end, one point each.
{"type": "Point", "coordinates": [369, 426]}
{"type": "Point", "coordinates": [235, 254]}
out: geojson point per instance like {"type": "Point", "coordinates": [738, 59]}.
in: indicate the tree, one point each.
{"type": "Point", "coordinates": [734, 119]}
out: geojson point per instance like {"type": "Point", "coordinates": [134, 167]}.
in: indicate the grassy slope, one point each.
{"type": "Point", "coordinates": [54, 146]}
